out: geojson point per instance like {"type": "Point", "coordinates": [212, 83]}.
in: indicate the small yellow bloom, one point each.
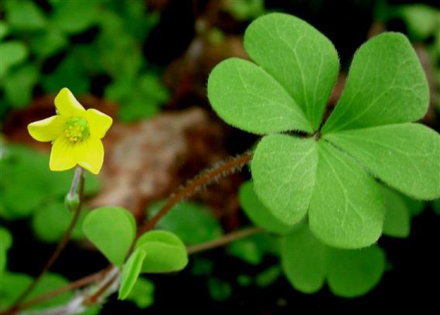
{"type": "Point", "coordinates": [75, 133]}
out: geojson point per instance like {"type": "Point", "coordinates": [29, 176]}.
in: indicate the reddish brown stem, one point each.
{"type": "Point", "coordinates": [226, 239]}
{"type": "Point", "coordinates": [188, 190]}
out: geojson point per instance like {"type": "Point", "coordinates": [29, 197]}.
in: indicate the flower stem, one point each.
{"type": "Point", "coordinates": [77, 182]}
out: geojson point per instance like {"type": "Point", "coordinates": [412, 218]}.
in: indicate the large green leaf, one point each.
{"type": "Point", "coordinates": [112, 230]}
{"type": "Point", "coordinates": [191, 222]}
{"type": "Point", "coordinates": [350, 273]}
{"type": "Point", "coordinates": [303, 260]}
{"type": "Point", "coordinates": [247, 97]}
{"type": "Point", "coordinates": [130, 273]}
{"type": "Point", "coordinates": [283, 169]}
{"type": "Point", "coordinates": [405, 156]}
{"type": "Point", "coordinates": [397, 214]}
{"type": "Point", "coordinates": [386, 84]}
{"type": "Point", "coordinates": [257, 212]}
{"type": "Point", "coordinates": [298, 56]}
{"type": "Point", "coordinates": [165, 252]}
{"type": "Point", "coordinates": [347, 208]}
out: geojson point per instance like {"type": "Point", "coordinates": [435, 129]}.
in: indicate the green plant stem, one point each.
{"type": "Point", "coordinates": [226, 239]}
{"type": "Point", "coordinates": [77, 183]}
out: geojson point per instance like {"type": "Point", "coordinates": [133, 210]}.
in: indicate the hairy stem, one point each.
{"type": "Point", "coordinates": [226, 239]}
{"type": "Point", "coordinates": [222, 169]}
{"type": "Point", "coordinates": [78, 181]}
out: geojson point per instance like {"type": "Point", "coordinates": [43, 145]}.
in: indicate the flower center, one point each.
{"type": "Point", "coordinates": [77, 129]}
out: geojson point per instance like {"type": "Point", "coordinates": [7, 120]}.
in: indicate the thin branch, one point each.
{"type": "Point", "coordinates": [222, 169]}
{"type": "Point", "coordinates": [78, 180]}
{"type": "Point", "coordinates": [226, 239]}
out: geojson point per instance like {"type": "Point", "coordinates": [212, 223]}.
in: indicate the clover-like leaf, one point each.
{"type": "Point", "coordinates": [303, 260]}
{"type": "Point", "coordinates": [406, 156]}
{"type": "Point", "coordinates": [386, 85]}
{"type": "Point", "coordinates": [257, 212]}
{"type": "Point", "coordinates": [130, 273]}
{"type": "Point", "coordinates": [249, 98]}
{"type": "Point", "coordinates": [112, 230]}
{"type": "Point", "coordinates": [347, 208]}
{"type": "Point", "coordinates": [298, 56]}
{"type": "Point", "coordinates": [397, 214]}
{"type": "Point", "coordinates": [352, 273]}
{"type": "Point", "coordinates": [165, 252]}
{"type": "Point", "coordinates": [283, 169]}
{"type": "Point", "coordinates": [307, 263]}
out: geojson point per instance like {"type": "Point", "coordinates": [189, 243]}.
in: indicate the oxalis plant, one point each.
{"type": "Point", "coordinates": [326, 190]}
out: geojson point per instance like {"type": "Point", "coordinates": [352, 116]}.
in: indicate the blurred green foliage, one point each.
{"type": "Point", "coordinates": [46, 47]}
{"type": "Point", "coordinates": [28, 189]}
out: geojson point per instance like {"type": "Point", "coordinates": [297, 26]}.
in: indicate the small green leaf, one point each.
{"type": "Point", "coordinates": [24, 15]}
{"type": "Point", "coordinates": [249, 98]}
{"type": "Point", "coordinates": [51, 221]}
{"type": "Point", "coordinates": [303, 260]}
{"type": "Point", "coordinates": [165, 252]}
{"type": "Point", "coordinates": [191, 222]}
{"type": "Point", "coordinates": [4, 30]}
{"type": "Point", "coordinates": [352, 273]}
{"type": "Point", "coordinates": [283, 169]}
{"type": "Point", "coordinates": [347, 208]}
{"type": "Point", "coordinates": [298, 56]}
{"type": "Point", "coordinates": [257, 212]}
{"type": "Point", "coordinates": [130, 273]}
{"type": "Point", "coordinates": [386, 85]}
{"type": "Point", "coordinates": [49, 43]}
{"type": "Point", "coordinates": [268, 276]}
{"type": "Point", "coordinates": [75, 16]}
{"type": "Point", "coordinates": [11, 54]}
{"type": "Point", "coordinates": [112, 230]}
{"type": "Point", "coordinates": [5, 239]}
{"type": "Point", "coordinates": [142, 293]}
{"type": "Point", "coordinates": [13, 284]}
{"type": "Point", "coordinates": [247, 250]}
{"type": "Point", "coordinates": [397, 215]}
{"type": "Point", "coordinates": [421, 20]}
{"type": "Point", "coordinates": [19, 85]}
{"type": "Point", "coordinates": [405, 156]}
{"type": "Point", "coordinates": [218, 289]}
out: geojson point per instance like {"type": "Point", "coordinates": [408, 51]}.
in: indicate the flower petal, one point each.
{"type": "Point", "coordinates": [62, 156]}
{"type": "Point", "coordinates": [90, 154]}
{"type": "Point", "coordinates": [99, 122]}
{"type": "Point", "coordinates": [67, 105]}
{"type": "Point", "coordinates": [47, 129]}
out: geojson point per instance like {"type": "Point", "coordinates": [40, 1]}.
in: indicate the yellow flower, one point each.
{"type": "Point", "coordinates": [75, 133]}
